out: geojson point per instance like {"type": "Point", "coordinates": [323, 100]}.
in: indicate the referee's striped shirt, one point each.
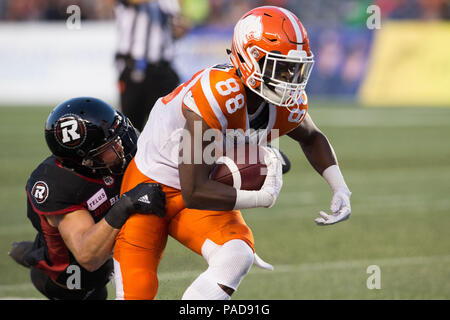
{"type": "Point", "coordinates": [144, 30]}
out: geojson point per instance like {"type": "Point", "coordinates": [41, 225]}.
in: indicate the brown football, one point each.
{"type": "Point", "coordinates": [241, 167]}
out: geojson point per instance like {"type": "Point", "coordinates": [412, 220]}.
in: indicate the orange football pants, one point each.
{"type": "Point", "coordinates": [141, 242]}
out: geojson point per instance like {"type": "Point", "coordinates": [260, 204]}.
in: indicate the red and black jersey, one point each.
{"type": "Point", "coordinates": [54, 190]}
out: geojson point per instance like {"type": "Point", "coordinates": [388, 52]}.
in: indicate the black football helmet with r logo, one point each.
{"type": "Point", "coordinates": [88, 135]}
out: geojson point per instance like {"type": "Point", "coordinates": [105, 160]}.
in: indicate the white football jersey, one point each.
{"type": "Point", "coordinates": [217, 95]}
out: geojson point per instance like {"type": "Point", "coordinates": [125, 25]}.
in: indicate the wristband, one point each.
{"type": "Point", "coordinates": [246, 199]}
{"type": "Point", "coordinates": [334, 177]}
{"type": "Point", "coordinates": [119, 212]}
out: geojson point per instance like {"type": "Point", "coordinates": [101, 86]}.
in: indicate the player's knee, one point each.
{"type": "Point", "coordinates": [134, 282]}
{"type": "Point", "coordinates": [143, 288]}
{"type": "Point", "coordinates": [231, 262]}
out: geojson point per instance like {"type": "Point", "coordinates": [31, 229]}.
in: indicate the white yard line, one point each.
{"type": "Point", "coordinates": [285, 268]}
{"type": "Point", "coordinates": [321, 266]}
{"type": "Point", "coordinates": [18, 286]}
{"type": "Point", "coordinates": [21, 298]}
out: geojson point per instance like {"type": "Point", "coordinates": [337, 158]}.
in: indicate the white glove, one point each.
{"type": "Point", "coordinates": [268, 194]}
{"type": "Point", "coordinates": [340, 208]}
{"type": "Point", "coordinates": [274, 179]}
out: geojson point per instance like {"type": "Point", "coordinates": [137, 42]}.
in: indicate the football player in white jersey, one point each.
{"type": "Point", "coordinates": [263, 89]}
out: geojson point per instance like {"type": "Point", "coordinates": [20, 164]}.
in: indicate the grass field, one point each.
{"type": "Point", "coordinates": [396, 162]}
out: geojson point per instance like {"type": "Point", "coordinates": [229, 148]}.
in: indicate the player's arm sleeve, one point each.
{"type": "Point", "coordinates": [51, 197]}
{"type": "Point", "coordinates": [219, 99]}
{"type": "Point", "coordinates": [201, 107]}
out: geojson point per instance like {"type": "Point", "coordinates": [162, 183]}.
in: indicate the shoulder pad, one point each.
{"type": "Point", "coordinates": [53, 190]}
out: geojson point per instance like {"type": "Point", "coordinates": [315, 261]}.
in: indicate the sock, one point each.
{"type": "Point", "coordinates": [228, 264]}
{"type": "Point", "coordinates": [205, 288]}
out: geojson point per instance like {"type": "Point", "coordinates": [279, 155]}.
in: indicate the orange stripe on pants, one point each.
{"type": "Point", "coordinates": [141, 241]}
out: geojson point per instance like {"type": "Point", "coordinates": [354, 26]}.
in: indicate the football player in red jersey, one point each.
{"type": "Point", "coordinates": [73, 200]}
{"type": "Point", "coordinates": [263, 90]}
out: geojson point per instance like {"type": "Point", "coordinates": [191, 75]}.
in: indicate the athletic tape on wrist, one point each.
{"type": "Point", "coordinates": [334, 177]}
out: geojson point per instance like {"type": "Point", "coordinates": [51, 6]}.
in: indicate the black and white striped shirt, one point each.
{"type": "Point", "coordinates": [144, 30]}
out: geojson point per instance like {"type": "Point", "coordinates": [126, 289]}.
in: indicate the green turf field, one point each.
{"type": "Point", "coordinates": [396, 162]}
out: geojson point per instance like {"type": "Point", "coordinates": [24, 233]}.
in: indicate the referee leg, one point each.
{"type": "Point", "coordinates": [138, 96]}
{"type": "Point", "coordinates": [132, 98]}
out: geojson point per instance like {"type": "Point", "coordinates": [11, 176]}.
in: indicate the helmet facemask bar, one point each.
{"type": "Point", "coordinates": [95, 159]}
{"type": "Point", "coordinates": [282, 78]}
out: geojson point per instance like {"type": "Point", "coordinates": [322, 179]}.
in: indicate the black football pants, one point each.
{"type": "Point", "coordinates": [52, 291]}
{"type": "Point", "coordinates": [139, 90]}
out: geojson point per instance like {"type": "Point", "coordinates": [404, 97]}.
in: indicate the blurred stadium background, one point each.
{"type": "Point", "coordinates": [382, 96]}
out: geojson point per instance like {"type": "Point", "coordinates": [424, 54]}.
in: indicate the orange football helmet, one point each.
{"type": "Point", "coordinates": [271, 52]}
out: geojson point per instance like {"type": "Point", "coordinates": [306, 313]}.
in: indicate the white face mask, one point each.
{"type": "Point", "coordinates": [283, 78]}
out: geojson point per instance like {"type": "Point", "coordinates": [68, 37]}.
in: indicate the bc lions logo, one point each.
{"type": "Point", "coordinates": [249, 27]}
{"type": "Point", "coordinates": [40, 191]}
{"type": "Point", "coordinates": [70, 132]}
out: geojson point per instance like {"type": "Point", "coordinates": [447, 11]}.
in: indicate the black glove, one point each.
{"type": "Point", "coordinates": [144, 198]}
{"type": "Point", "coordinates": [147, 198]}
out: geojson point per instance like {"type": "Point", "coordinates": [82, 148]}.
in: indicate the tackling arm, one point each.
{"type": "Point", "coordinates": [91, 243]}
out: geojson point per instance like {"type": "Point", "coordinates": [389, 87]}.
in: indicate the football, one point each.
{"type": "Point", "coordinates": [241, 167]}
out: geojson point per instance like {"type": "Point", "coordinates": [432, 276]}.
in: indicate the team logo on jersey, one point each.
{"type": "Point", "coordinates": [70, 131]}
{"type": "Point", "coordinates": [40, 191]}
{"type": "Point", "coordinates": [108, 180]}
